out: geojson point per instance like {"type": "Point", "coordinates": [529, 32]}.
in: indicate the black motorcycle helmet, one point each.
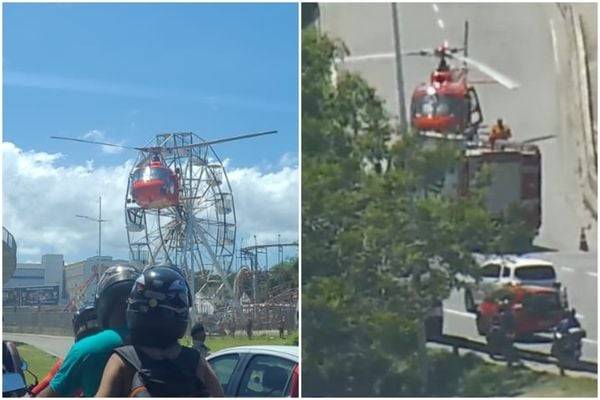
{"type": "Point", "coordinates": [113, 288]}
{"type": "Point", "coordinates": [158, 307]}
{"type": "Point", "coordinates": [85, 322]}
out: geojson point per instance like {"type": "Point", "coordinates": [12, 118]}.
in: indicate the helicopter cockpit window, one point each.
{"type": "Point", "coordinates": [148, 174]}
{"type": "Point", "coordinates": [439, 105]}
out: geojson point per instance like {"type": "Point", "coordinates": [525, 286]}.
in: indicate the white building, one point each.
{"type": "Point", "coordinates": [49, 272]}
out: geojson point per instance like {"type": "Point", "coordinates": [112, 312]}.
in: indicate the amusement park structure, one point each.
{"type": "Point", "coordinates": [263, 302]}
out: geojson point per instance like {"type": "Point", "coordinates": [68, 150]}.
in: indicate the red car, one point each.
{"type": "Point", "coordinates": [535, 308]}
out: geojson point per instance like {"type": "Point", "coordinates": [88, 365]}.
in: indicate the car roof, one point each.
{"type": "Point", "coordinates": [519, 262]}
{"type": "Point", "coordinates": [287, 352]}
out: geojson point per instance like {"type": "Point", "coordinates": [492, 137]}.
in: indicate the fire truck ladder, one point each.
{"type": "Point", "coordinates": [79, 293]}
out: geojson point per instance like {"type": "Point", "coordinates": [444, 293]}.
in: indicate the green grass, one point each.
{"type": "Point", "coordinates": [216, 343]}
{"type": "Point", "coordinates": [469, 375]}
{"type": "Point", "coordinates": [38, 361]}
{"type": "Point", "coordinates": [562, 386]}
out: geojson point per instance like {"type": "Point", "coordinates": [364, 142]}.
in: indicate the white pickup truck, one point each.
{"type": "Point", "coordinates": [500, 271]}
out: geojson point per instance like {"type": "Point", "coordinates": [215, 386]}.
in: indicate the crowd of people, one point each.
{"type": "Point", "coordinates": [127, 345]}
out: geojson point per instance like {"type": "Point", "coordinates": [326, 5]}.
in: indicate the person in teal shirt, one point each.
{"type": "Point", "coordinates": [84, 364]}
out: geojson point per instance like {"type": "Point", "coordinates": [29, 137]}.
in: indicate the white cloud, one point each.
{"type": "Point", "coordinates": [99, 136]}
{"type": "Point", "coordinates": [41, 199]}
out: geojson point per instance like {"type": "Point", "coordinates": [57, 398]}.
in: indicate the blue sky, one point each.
{"type": "Point", "coordinates": [133, 70]}
{"type": "Point", "coordinates": [123, 73]}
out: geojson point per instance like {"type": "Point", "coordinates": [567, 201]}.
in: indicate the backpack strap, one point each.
{"type": "Point", "coordinates": [128, 354]}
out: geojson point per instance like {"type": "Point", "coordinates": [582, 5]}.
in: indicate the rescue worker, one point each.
{"type": "Point", "coordinates": [499, 132]}
{"type": "Point", "coordinates": [198, 339]}
{"type": "Point", "coordinates": [155, 364]}
{"type": "Point", "coordinates": [83, 365]}
{"type": "Point", "coordinates": [508, 328]}
{"type": "Point", "coordinates": [85, 323]}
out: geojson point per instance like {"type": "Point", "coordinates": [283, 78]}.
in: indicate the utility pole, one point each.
{"type": "Point", "coordinates": [399, 74]}
{"type": "Point", "coordinates": [99, 220]}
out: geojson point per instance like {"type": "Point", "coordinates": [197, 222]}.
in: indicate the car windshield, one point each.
{"type": "Point", "coordinates": [537, 272]}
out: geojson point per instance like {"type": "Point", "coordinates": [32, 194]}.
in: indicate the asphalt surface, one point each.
{"type": "Point", "coordinates": [528, 43]}
{"type": "Point", "coordinates": [56, 345]}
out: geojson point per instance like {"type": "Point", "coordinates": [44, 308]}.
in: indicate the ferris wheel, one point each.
{"type": "Point", "coordinates": [179, 207]}
{"type": "Point", "coordinates": [196, 232]}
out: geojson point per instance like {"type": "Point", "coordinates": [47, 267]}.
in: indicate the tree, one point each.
{"type": "Point", "coordinates": [381, 245]}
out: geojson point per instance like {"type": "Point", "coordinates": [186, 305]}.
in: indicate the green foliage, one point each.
{"type": "Point", "coordinates": [38, 361]}
{"type": "Point", "coordinates": [381, 243]}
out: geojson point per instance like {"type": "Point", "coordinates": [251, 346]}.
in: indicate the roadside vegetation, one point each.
{"type": "Point", "coordinates": [38, 361]}
{"type": "Point", "coordinates": [380, 244]}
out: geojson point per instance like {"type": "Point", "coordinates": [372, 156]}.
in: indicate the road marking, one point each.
{"type": "Point", "coordinates": [579, 316]}
{"type": "Point", "coordinates": [461, 313]}
{"type": "Point", "coordinates": [435, 7]}
{"type": "Point", "coordinates": [595, 275]}
{"type": "Point", "coordinates": [440, 23]}
{"type": "Point", "coordinates": [567, 269]}
{"type": "Point", "coordinates": [554, 46]}
{"type": "Point", "coordinates": [590, 341]}
{"type": "Point", "coordinates": [367, 57]}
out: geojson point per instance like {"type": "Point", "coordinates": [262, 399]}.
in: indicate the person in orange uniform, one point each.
{"type": "Point", "coordinates": [499, 132]}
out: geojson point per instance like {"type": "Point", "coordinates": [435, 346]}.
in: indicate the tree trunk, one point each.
{"type": "Point", "coordinates": [421, 339]}
{"type": "Point", "coordinates": [422, 356]}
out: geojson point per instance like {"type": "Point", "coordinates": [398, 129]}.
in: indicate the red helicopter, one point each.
{"type": "Point", "coordinates": [154, 184]}
{"type": "Point", "coordinates": [447, 104]}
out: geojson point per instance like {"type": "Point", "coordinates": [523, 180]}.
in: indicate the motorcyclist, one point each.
{"type": "Point", "coordinates": [155, 364]}
{"type": "Point", "coordinates": [85, 323]}
{"type": "Point", "coordinates": [83, 365]}
{"type": "Point", "coordinates": [568, 335]}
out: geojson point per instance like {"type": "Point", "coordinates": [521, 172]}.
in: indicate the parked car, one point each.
{"type": "Point", "coordinates": [535, 309]}
{"type": "Point", "coordinates": [500, 271]}
{"type": "Point", "coordinates": [257, 371]}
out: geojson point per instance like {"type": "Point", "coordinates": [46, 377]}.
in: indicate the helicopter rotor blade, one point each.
{"type": "Point", "coordinates": [538, 139]}
{"type": "Point", "coordinates": [228, 139]}
{"type": "Point", "coordinates": [486, 69]}
{"type": "Point", "coordinates": [95, 142]}
{"type": "Point", "coordinates": [422, 52]}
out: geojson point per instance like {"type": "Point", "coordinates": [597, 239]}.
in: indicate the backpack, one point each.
{"type": "Point", "coordinates": [164, 378]}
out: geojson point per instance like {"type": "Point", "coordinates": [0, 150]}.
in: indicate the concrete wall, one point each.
{"type": "Point", "coordinates": [33, 321]}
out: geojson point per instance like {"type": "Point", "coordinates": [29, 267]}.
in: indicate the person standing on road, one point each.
{"type": "Point", "coordinates": [249, 328]}
{"type": "Point", "coordinates": [281, 327]}
{"type": "Point", "coordinates": [155, 364]}
{"type": "Point", "coordinates": [198, 339]}
{"type": "Point", "coordinates": [83, 365]}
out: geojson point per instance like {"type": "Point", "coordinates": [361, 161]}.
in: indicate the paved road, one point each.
{"type": "Point", "coordinates": [527, 42]}
{"type": "Point", "coordinates": [56, 345]}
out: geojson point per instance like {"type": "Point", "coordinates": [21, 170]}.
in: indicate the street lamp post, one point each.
{"type": "Point", "coordinates": [99, 220]}
{"type": "Point", "coordinates": [399, 74]}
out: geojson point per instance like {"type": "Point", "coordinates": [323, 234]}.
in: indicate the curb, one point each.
{"type": "Point", "coordinates": [588, 153]}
